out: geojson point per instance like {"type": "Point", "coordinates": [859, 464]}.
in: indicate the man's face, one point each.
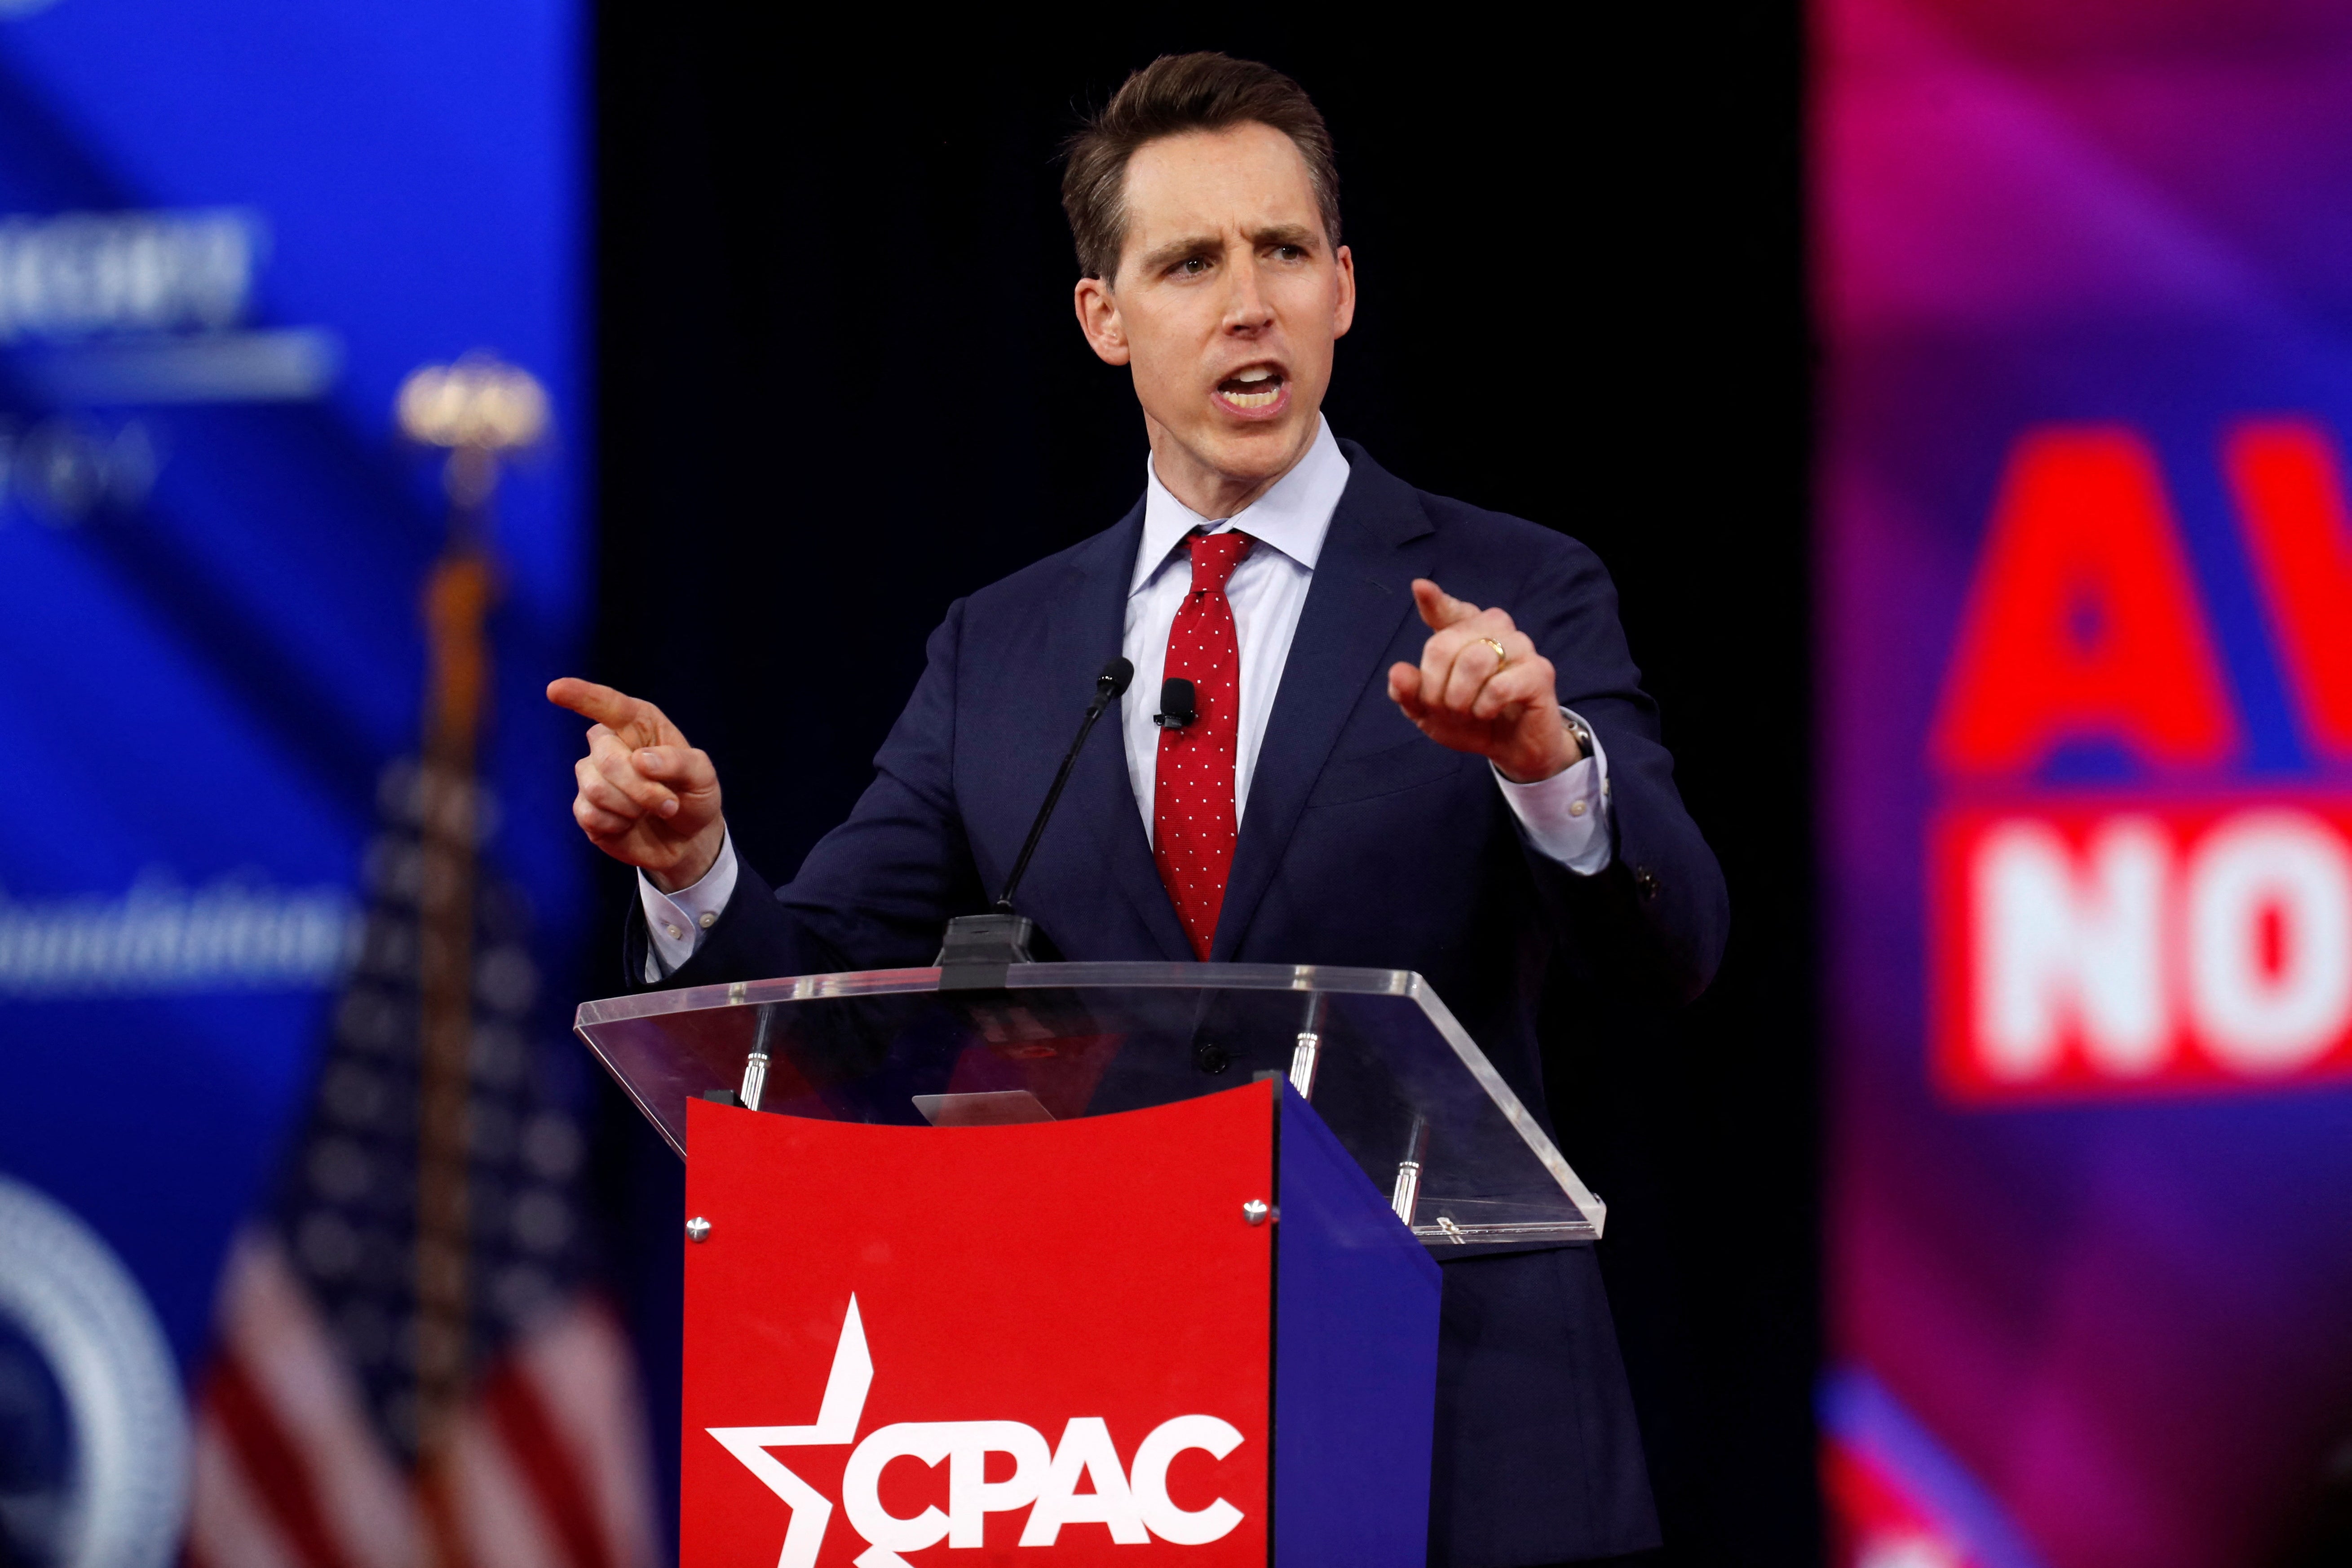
{"type": "Point", "coordinates": [1226, 305]}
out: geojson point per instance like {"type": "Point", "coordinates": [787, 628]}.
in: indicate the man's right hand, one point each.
{"type": "Point", "coordinates": [647, 798]}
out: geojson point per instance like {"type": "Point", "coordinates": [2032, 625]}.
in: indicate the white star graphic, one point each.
{"type": "Point", "coordinates": [836, 1422]}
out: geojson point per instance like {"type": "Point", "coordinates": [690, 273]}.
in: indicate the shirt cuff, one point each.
{"type": "Point", "coordinates": [676, 921]}
{"type": "Point", "coordinates": [1566, 816]}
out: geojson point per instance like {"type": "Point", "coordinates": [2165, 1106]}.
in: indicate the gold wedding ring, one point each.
{"type": "Point", "coordinates": [1501, 659]}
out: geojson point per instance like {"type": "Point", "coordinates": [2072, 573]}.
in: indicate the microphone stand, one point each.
{"type": "Point", "coordinates": [978, 948]}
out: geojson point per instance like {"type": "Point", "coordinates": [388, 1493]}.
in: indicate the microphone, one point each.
{"type": "Point", "coordinates": [1177, 703]}
{"type": "Point", "coordinates": [1108, 686]}
{"type": "Point", "coordinates": [978, 947]}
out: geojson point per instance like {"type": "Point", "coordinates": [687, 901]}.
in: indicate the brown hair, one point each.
{"type": "Point", "coordinates": [1173, 95]}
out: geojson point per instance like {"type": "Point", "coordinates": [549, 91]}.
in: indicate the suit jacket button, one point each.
{"type": "Point", "coordinates": [1645, 881]}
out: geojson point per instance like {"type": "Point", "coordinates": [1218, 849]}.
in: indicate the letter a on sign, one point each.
{"type": "Point", "coordinates": [2083, 622]}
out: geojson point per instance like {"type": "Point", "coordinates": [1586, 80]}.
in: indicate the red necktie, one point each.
{"type": "Point", "coordinates": [1192, 809]}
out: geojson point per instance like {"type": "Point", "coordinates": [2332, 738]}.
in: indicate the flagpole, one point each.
{"type": "Point", "coordinates": [478, 410]}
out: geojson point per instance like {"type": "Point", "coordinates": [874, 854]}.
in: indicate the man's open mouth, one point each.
{"type": "Point", "coordinates": [1256, 387]}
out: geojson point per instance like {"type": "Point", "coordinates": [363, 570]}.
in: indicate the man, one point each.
{"type": "Point", "coordinates": [1384, 772]}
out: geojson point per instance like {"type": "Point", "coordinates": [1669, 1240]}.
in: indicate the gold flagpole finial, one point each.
{"type": "Point", "coordinates": [479, 408]}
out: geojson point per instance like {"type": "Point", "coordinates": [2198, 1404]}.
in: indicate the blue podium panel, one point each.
{"type": "Point", "coordinates": [1355, 1361]}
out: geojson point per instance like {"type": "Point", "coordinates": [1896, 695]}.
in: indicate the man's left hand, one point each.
{"type": "Point", "coordinates": [1482, 687]}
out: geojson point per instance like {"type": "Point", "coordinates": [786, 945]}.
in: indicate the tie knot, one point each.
{"type": "Point", "coordinates": [1215, 556]}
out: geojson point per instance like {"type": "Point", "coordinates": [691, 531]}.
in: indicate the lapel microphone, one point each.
{"type": "Point", "coordinates": [1178, 702]}
{"type": "Point", "coordinates": [978, 944]}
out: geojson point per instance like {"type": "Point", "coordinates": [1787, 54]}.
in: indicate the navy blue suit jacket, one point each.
{"type": "Point", "coordinates": [1363, 843]}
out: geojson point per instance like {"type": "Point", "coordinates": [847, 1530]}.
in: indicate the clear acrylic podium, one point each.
{"type": "Point", "coordinates": [1384, 1064]}
{"type": "Point", "coordinates": [1057, 1259]}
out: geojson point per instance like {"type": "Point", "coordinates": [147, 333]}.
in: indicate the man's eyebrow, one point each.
{"type": "Point", "coordinates": [1283, 234]}
{"type": "Point", "coordinates": [1176, 250]}
{"type": "Point", "coordinates": [1161, 257]}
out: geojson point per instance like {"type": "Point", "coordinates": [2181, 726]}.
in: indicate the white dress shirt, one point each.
{"type": "Point", "coordinates": [1565, 817]}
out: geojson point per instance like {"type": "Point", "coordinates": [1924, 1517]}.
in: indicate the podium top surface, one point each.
{"type": "Point", "coordinates": [1377, 1052]}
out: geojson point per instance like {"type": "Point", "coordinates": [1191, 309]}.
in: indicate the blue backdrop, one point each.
{"type": "Point", "coordinates": [228, 231]}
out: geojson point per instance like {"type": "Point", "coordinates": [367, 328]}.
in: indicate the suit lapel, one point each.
{"type": "Point", "coordinates": [1377, 543]}
{"type": "Point", "coordinates": [1089, 625]}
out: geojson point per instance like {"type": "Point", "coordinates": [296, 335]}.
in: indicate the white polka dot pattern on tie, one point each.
{"type": "Point", "coordinates": [1194, 815]}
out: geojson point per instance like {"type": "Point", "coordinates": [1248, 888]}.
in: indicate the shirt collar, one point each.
{"type": "Point", "coordinates": [1293, 516]}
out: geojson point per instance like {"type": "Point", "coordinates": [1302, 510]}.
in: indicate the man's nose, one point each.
{"type": "Point", "coordinates": [1246, 308]}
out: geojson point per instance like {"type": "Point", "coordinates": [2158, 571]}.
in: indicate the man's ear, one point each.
{"type": "Point", "coordinates": [1343, 311]}
{"type": "Point", "coordinates": [1098, 318]}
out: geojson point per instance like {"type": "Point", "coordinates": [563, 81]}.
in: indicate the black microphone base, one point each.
{"type": "Point", "coordinates": [979, 948]}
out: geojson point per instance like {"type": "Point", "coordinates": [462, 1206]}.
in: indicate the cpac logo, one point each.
{"type": "Point", "coordinates": [1133, 1503]}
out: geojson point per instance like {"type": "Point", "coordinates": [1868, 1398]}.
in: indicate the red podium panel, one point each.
{"type": "Point", "coordinates": [1045, 1344]}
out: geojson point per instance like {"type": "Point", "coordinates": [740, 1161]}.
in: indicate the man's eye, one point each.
{"type": "Point", "coordinates": [1192, 265]}
{"type": "Point", "coordinates": [1290, 252]}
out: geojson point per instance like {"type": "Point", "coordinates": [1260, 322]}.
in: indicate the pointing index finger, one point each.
{"type": "Point", "coordinates": [1440, 609]}
{"type": "Point", "coordinates": [614, 710]}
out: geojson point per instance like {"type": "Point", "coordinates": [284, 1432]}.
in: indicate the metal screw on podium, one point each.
{"type": "Point", "coordinates": [1406, 1196]}
{"type": "Point", "coordinates": [698, 1229]}
{"type": "Point", "coordinates": [1255, 1211]}
{"type": "Point", "coordinates": [1310, 1044]}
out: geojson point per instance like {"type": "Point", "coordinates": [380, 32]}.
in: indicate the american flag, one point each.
{"type": "Point", "coordinates": [318, 1444]}
{"type": "Point", "coordinates": [411, 1370]}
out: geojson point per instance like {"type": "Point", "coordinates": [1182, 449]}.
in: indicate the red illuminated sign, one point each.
{"type": "Point", "coordinates": [2115, 943]}
{"type": "Point", "coordinates": [2195, 932]}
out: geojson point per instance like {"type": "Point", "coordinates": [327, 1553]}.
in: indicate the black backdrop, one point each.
{"type": "Point", "coordinates": [841, 387]}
